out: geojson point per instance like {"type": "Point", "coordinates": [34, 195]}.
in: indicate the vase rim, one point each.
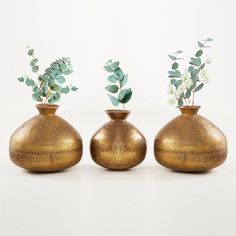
{"type": "Point", "coordinates": [117, 111]}
{"type": "Point", "coordinates": [191, 107]}
{"type": "Point", "coordinates": [117, 115]}
{"type": "Point", "coordinates": [47, 109]}
{"type": "Point", "coordinates": [189, 110]}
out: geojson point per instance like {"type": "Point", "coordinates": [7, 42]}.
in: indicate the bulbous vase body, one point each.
{"type": "Point", "coordinates": [118, 145]}
{"type": "Point", "coordinates": [46, 142]}
{"type": "Point", "coordinates": [190, 143]}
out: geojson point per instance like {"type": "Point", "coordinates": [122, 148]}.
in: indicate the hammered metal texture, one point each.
{"type": "Point", "coordinates": [118, 145]}
{"type": "Point", "coordinates": [190, 143]}
{"type": "Point", "coordinates": [46, 142]}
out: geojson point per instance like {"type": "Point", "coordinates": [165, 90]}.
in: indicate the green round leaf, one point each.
{"type": "Point", "coordinates": [57, 88]}
{"type": "Point", "coordinates": [31, 52]}
{"type": "Point", "coordinates": [202, 66]}
{"type": "Point", "coordinates": [114, 100]}
{"type": "Point", "coordinates": [175, 74]}
{"type": "Point", "coordinates": [198, 87]}
{"type": "Point", "coordinates": [35, 68]}
{"type": "Point", "coordinates": [33, 62]}
{"type": "Point", "coordinates": [176, 83]}
{"type": "Point", "coordinates": [60, 62]}
{"type": "Point", "coordinates": [112, 88]}
{"type": "Point", "coordinates": [118, 73]}
{"type": "Point", "coordinates": [108, 69]}
{"type": "Point", "coordinates": [188, 94]}
{"type": "Point", "coordinates": [74, 88]}
{"type": "Point", "coordinates": [21, 79]}
{"type": "Point", "coordinates": [65, 90]}
{"type": "Point", "coordinates": [190, 68]}
{"type": "Point", "coordinates": [201, 45]}
{"type": "Point", "coordinates": [36, 89]}
{"type": "Point", "coordinates": [199, 53]}
{"type": "Point", "coordinates": [194, 73]}
{"type": "Point", "coordinates": [127, 96]}
{"type": "Point", "coordinates": [108, 63]}
{"type": "Point", "coordinates": [175, 66]}
{"type": "Point", "coordinates": [66, 69]}
{"type": "Point", "coordinates": [55, 65]}
{"type": "Point", "coordinates": [172, 57]}
{"type": "Point", "coordinates": [112, 79]}
{"type": "Point", "coordinates": [55, 73]}
{"type": "Point", "coordinates": [60, 79]}
{"type": "Point", "coordinates": [122, 94]}
{"type": "Point", "coordinates": [44, 77]}
{"type": "Point", "coordinates": [51, 100]}
{"type": "Point", "coordinates": [114, 65]}
{"type": "Point", "coordinates": [36, 97]}
{"type": "Point", "coordinates": [55, 97]}
{"type": "Point", "coordinates": [51, 83]}
{"type": "Point", "coordinates": [173, 81]}
{"type": "Point", "coordinates": [196, 61]}
{"type": "Point", "coordinates": [29, 82]}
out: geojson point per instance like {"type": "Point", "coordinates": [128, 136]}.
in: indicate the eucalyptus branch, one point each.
{"type": "Point", "coordinates": [183, 86]}
{"type": "Point", "coordinates": [47, 87]}
{"type": "Point", "coordinates": [117, 77]}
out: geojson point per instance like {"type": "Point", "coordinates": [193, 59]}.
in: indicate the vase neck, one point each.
{"type": "Point", "coordinates": [47, 109]}
{"type": "Point", "coordinates": [189, 110]}
{"type": "Point", "coordinates": [118, 115]}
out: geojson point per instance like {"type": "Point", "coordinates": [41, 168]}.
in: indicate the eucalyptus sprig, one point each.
{"type": "Point", "coordinates": [118, 80]}
{"type": "Point", "coordinates": [183, 86]}
{"type": "Point", "coordinates": [47, 88]}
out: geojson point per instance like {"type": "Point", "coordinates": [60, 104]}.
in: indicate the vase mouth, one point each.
{"type": "Point", "coordinates": [116, 114]}
{"type": "Point", "coordinates": [189, 110]}
{"type": "Point", "coordinates": [47, 109]}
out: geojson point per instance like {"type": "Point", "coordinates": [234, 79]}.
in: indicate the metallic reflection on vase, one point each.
{"type": "Point", "coordinates": [190, 143]}
{"type": "Point", "coordinates": [46, 142]}
{"type": "Point", "coordinates": [118, 145]}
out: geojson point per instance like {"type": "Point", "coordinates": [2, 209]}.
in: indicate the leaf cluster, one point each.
{"type": "Point", "coordinates": [117, 81]}
{"type": "Point", "coordinates": [49, 86]}
{"type": "Point", "coordinates": [196, 65]}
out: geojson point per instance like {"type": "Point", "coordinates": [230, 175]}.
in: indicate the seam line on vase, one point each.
{"type": "Point", "coordinates": [190, 152]}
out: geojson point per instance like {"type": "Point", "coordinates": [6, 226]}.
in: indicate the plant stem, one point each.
{"type": "Point", "coordinates": [123, 106]}
{"type": "Point", "coordinates": [193, 99]}
{"type": "Point", "coordinates": [41, 82]}
{"type": "Point", "coordinates": [186, 101]}
{"type": "Point", "coordinates": [47, 96]}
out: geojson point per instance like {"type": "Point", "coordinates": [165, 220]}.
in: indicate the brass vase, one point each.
{"type": "Point", "coordinates": [118, 145]}
{"type": "Point", "coordinates": [46, 142]}
{"type": "Point", "coordinates": [190, 143]}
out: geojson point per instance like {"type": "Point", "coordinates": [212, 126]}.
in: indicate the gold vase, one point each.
{"type": "Point", "coordinates": [46, 142]}
{"type": "Point", "coordinates": [190, 143]}
{"type": "Point", "coordinates": [118, 145]}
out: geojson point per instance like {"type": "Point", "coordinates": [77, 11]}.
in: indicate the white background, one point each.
{"type": "Point", "coordinates": [88, 200]}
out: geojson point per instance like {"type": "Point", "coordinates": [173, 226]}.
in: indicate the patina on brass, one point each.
{"type": "Point", "coordinates": [190, 143]}
{"type": "Point", "coordinates": [46, 142]}
{"type": "Point", "coordinates": [118, 145]}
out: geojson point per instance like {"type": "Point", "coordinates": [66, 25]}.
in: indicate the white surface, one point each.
{"type": "Point", "coordinates": [88, 200]}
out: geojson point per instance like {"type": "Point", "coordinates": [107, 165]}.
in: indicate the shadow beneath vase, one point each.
{"type": "Point", "coordinates": [190, 172]}
{"type": "Point", "coordinates": [45, 173]}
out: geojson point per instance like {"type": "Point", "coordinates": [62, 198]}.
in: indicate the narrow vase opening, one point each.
{"type": "Point", "coordinates": [118, 114]}
{"type": "Point", "coordinates": [189, 110]}
{"type": "Point", "coordinates": [47, 109]}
